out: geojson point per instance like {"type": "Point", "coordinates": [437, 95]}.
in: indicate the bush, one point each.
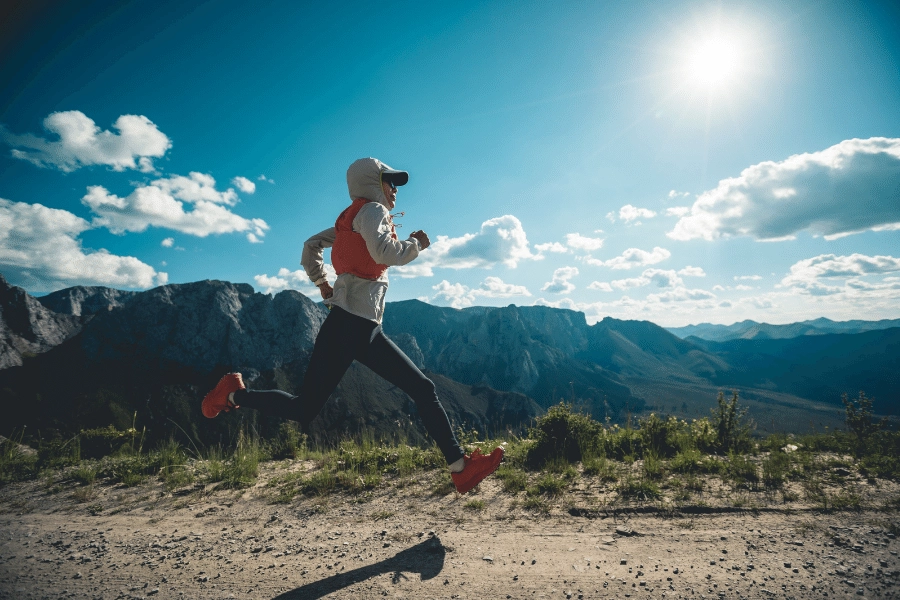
{"type": "Point", "coordinates": [563, 434]}
{"type": "Point", "coordinates": [774, 469]}
{"type": "Point", "coordinates": [732, 431]}
{"type": "Point", "coordinates": [665, 437]}
{"type": "Point", "coordinates": [859, 420]}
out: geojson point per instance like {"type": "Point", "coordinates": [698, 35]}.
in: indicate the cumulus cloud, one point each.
{"type": "Point", "coordinates": [818, 276]}
{"type": "Point", "coordinates": [40, 250]}
{"type": "Point", "coordinates": [747, 277]}
{"type": "Point", "coordinates": [551, 247]}
{"type": "Point", "coordinates": [629, 213]}
{"type": "Point", "coordinates": [674, 194]}
{"type": "Point", "coordinates": [658, 277]}
{"type": "Point", "coordinates": [500, 240]}
{"type": "Point", "coordinates": [677, 211]}
{"type": "Point", "coordinates": [602, 286]}
{"type": "Point", "coordinates": [244, 184]}
{"type": "Point", "coordinates": [632, 258]}
{"type": "Point", "coordinates": [690, 271]}
{"type": "Point", "coordinates": [461, 296]}
{"type": "Point", "coordinates": [266, 179]}
{"type": "Point", "coordinates": [167, 243]}
{"type": "Point", "coordinates": [162, 204]}
{"type": "Point", "coordinates": [847, 188]}
{"type": "Point", "coordinates": [576, 241]}
{"type": "Point", "coordinates": [560, 283]}
{"type": "Point", "coordinates": [292, 280]}
{"type": "Point", "coordinates": [82, 143]}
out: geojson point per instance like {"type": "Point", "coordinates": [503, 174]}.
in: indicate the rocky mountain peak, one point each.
{"type": "Point", "coordinates": [86, 300]}
{"type": "Point", "coordinates": [27, 327]}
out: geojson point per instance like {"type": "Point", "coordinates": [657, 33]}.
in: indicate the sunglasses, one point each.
{"type": "Point", "coordinates": [390, 183]}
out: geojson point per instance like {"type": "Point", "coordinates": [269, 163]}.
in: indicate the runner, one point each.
{"type": "Point", "coordinates": [363, 245]}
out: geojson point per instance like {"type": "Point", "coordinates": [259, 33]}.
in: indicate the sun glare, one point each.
{"type": "Point", "coordinates": [713, 63]}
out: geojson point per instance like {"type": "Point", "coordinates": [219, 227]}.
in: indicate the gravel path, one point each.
{"type": "Point", "coordinates": [406, 544]}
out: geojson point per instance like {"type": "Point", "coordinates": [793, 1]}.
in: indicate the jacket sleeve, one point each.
{"type": "Point", "coordinates": [313, 257]}
{"type": "Point", "coordinates": [374, 225]}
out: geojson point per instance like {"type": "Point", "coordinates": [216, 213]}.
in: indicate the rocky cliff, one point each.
{"type": "Point", "coordinates": [28, 328]}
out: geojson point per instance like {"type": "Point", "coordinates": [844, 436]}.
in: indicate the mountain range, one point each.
{"type": "Point", "coordinates": [93, 356]}
{"type": "Point", "coordinates": [751, 330]}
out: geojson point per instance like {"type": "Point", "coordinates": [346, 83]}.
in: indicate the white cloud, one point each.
{"type": "Point", "coordinates": [680, 294]}
{"type": "Point", "coordinates": [162, 204]}
{"type": "Point", "coordinates": [659, 277]}
{"type": "Point", "coordinates": [461, 296]}
{"type": "Point", "coordinates": [674, 194]}
{"type": "Point", "coordinates": [81, 143]}
{"type": "Point", "coordinates": [551, 247]}
{"type": "Point", "coordinates": [501, 240]}
{"type": "Point", "coordinates": [40, 250]}
{"type": "Point", "coordinates": [266, 179]}
{"type": "Point", "coordinates": [292, 280]}
{"type": "Point", "coordinates": [816, 276]}
{"type": "Point", "coordinates": [576, 241]}
{"type": "Point", "coordinates": [600, 285]}
{"type": "Point", "coordinates": [847, 188]}
{"type": "Point", "coordinates": [167, 243]}
{"type": "Point", "coordinates": [631, 258]}
{"type": "Point", "coordinates": [690, 271]}
{"type": "Point", "coordinates": [244, 184]}
{"type": "Point", "coordinates": [560, 283]}
{"type": "Point", "coordinates": [677, 211]}
{"type": "Point", "coordinates": [629, 213]}
{"type": "Point", "coordinates": [747, 277]}
{"type": "Point", "coordinates": [566, 303]}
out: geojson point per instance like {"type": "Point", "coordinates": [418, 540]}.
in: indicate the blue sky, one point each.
{"type": "Point", "coordinates": [679, 162]}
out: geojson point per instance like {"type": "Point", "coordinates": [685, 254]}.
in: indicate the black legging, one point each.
{"type": "Point", "coordinates": [343, 338]}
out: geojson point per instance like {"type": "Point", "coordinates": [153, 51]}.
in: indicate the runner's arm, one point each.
{"type": "Point", "coordinates": [313, 257]}
{"type": "Point", "coordinates": [374, 225]}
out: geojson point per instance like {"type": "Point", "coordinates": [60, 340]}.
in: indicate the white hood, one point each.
{"type": "Point", "coordinates": [364, 180]}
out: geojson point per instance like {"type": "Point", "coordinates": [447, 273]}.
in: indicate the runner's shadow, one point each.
{"type": "Point", "coordinates": [425, 558]}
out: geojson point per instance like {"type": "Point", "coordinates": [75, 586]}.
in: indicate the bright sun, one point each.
{"type": "Point", "coordinates": [713, 63]}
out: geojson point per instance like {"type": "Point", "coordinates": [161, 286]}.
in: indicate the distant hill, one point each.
{"type": "Point", "coordinates": [820, 366]}
{"type": "Point", "coordinates": [751, 330]}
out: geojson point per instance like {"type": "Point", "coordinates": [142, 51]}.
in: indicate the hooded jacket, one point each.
{"type": "Point", "coordinates": [362, 296]}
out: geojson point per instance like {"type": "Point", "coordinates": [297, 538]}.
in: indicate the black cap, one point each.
{"type": "Point", "coordinates": [394, 176]}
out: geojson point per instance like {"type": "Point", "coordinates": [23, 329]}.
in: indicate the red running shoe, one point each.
{"type": "Point", "coordinates": [217, 400]}
{"type": "Point", "coordinates": [478, 466]}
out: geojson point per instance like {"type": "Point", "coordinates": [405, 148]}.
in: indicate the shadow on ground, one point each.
{"type": "Point", "coordinates": [426, 558]}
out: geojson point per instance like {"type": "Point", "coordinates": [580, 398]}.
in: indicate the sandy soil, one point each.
{"type": "Point", "coordinates": [405, 542]}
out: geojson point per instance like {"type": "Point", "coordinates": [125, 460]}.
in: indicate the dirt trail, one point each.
{"type": "Point", "coordinates": [405, 543]}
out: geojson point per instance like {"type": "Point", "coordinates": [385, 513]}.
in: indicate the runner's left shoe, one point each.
{"type": "Point", "coordinates": [217, 400]}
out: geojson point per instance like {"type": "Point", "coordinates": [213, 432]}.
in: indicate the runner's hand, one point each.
{"type": "Point", "coordinates": [326, 290]}
{"type": "Point", "coordinates": [422, 238]}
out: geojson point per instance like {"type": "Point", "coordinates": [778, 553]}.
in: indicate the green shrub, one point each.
{"type": "Point", "coordinates": [741, 471]}
{"type": "Point", "coordinates": [563, 434]}
{"type": "Point", "coordinates": [732, 431]}
{"type": "Point", "coordinates": [775, 468]}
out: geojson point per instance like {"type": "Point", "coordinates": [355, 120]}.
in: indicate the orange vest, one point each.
{"type": "Point", "coordinates": [349, 253]}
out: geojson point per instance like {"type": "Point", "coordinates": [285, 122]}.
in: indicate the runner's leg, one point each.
{"type": "Point", "coordinates": [387, 360]}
